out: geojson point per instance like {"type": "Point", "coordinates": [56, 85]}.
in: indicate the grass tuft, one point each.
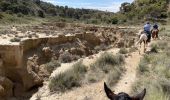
{"type": "Point", "coordinates": [123, 51]}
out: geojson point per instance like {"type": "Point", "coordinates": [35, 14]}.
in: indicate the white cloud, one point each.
{"type": "Point", "coordinates": [110, 8]}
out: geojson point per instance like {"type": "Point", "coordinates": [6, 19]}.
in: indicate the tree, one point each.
{"type": "Point", "coordinates": [41, 14]}
{"type": "Point", "coordinates": [125, 7]}
{"type": "Point", "coordinates": [37, 2]}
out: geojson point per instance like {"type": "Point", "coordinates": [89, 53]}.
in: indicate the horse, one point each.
{"type": "Point", "coordinates": [142, 38]}
{"type": "Point", "coordinates": [155, 33]}
{"type": "Point", "coordinates": [122, 95]}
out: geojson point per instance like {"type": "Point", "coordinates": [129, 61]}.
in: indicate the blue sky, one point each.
{"type": "Point", "coordinates": [109, 5]}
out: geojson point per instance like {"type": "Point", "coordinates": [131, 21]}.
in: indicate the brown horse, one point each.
{"type": "Point", "coordinates": [155, 33]}
{"type": "Point", "coordinates": [122, 95]}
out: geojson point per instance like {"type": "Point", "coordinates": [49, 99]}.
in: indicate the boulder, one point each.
{"type": "Point", "coordinates": [77, 51]}
{"type": "Point", "coordinates": [47, 51]}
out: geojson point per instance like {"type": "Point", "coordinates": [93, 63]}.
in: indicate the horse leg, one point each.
{"type": "Point", "coordinates": [145, 43]}
{"type": "Point", "coordinates": [157, 35]}
{"type": "Point", "coordinates": [153, 35]}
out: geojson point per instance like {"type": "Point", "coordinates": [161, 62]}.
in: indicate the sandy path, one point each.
{"type": "Point", "coordinates": [94, 91]}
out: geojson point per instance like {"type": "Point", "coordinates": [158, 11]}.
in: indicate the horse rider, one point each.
{"type": "Point", "coordinates": [147, 29]}
{"type": "Point", "coordinates": [155, 27]}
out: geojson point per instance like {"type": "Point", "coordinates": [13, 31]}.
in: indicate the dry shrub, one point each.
{"type": "Point", "coordinates": [52, 65]}
{"type": "Point", "coordinates": [15, 39]}
{"type": "Point", "coordinates": [108, 61]}
{"type": "Point", "coordinates": [106, 65]}
{"type": "Point", "coordinates": [67, 57]}
{"type": "Point", "coordinates": [114, 76]}
{"type": "Point", "coordinates": [69, 79]}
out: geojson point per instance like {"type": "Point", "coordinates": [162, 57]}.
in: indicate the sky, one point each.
{"type": "Point", "coordinates": [104, 5]}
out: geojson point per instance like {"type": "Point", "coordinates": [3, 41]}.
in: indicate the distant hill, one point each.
{"type": "Point", "coordinates": [37, 8]}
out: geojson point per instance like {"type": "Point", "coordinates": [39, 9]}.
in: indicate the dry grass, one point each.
{"type": "Point", "coordinates": [154, 74]}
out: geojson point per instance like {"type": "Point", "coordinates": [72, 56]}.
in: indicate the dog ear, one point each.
{"type": "Point", "coordinates": [108, 91]}
{"type": "Point", "coordinates": [139, 96]}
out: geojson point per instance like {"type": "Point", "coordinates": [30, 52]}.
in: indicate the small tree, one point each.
{"type": "Point", "coordinates": [41, 14]}
{"type": "Point", "coordinates": [114, 20]}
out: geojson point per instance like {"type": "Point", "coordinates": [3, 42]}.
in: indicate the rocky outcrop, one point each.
{"type": "Point", "coordinates": [33, 69]}
{"type": "Point", "coordinates": [16, 67]}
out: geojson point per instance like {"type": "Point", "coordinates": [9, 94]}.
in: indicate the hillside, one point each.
{"type": "Point", "coordinates": [37, 8]}
{"type": "Point", "coordinates": [27, 11]}
{"type": "Point", "coordinates": [140, 10]}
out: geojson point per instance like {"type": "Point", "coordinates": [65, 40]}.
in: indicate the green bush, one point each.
{"type": "Point", "coordinates": [114, 20]}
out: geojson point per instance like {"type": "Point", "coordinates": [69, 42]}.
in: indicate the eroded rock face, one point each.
{"type": "Point", "coordinates": [2, 91]}
{"type": "Point", "coordinates": [6, 87]}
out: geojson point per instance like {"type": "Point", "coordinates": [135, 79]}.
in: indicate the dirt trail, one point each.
{"type": "Point", "coordinates": [127, 80]}
{"type": "Point", "coordinates": [94, 91]}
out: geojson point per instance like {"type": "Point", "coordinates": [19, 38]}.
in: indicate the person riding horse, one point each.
{"type": "Point", "coordinates": [147, 28]}
{"type": "Point", "coordinates": [155, 31]}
